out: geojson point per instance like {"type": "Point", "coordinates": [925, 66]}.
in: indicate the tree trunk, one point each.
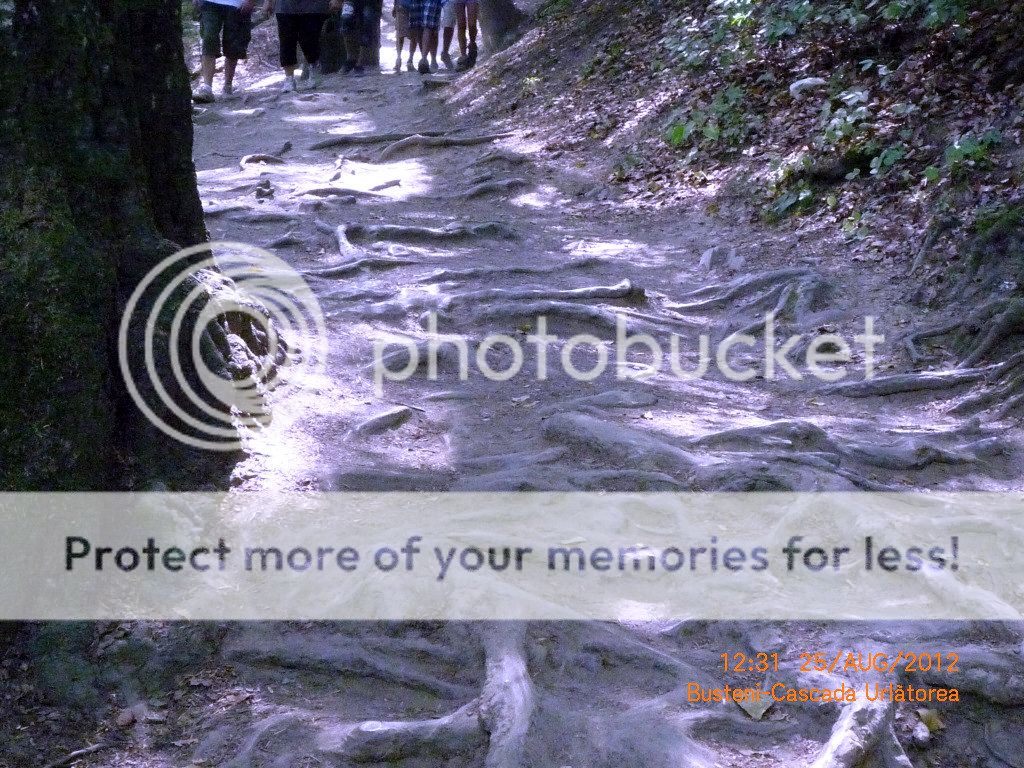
{"type": "Point", "coordinates": [97, 178]}
{"type": "Point", "coordinates": [499, 21]}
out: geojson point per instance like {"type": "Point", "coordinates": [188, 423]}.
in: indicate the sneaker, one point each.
{"type": "Point", "coordinates": [203, 95]}
{"type": "Point", "coordinates": [463, 63]}
{"type": "Point", "coordinates": [433, 67]}
{"type": "Point", "coordinates": [410, 66]}
{"type": "Point", "coordinates": [446, 59]}
{"type": "Point", "coordinates": [315, 76]}
{"type": "Point", "coordinates": [424, 66]}
{"type": "Point", "coordinates": [289, 85]}
{"type": "Point", "coordinates": [228, 89]}
{"type": "Point", "coordinates": [306, 71]}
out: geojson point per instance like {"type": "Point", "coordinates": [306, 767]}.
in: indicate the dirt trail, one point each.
{"type": "Point", "coordinates": [490, 234]}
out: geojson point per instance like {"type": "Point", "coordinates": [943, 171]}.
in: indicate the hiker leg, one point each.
{"type": "Point", "coordinates": [237, 35]}
{"type": "Point", "coordinates": [460, 17]}
{"type": "Point", "coordinates": [288, 37]}
{"type": "Point", "coordinates": [211, 26]}
{"type": "Point", "coordinates": [310, 27]}
{"type": "Point", "coordinates": [472, 15]}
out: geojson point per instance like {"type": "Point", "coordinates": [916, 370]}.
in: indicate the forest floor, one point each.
{"type": "Point", "coordinates": [491, 233]}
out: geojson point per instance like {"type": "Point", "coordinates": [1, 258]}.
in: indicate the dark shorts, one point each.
{"type": "Point", "coordinates": [425, 14]}
{"type": "Point", "coordinates": [222, 22]}
{"type": "Point", "coordinates": [300, 30]}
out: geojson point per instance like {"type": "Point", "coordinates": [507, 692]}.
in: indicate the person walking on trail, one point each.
{"type": "Point", "coordinates": [359, 18]}
{"type": "Point", "coordinates": [403, 31]}
{"type": "Point", "coordinates": [426, 16]}
{"type": "Point", "coordinates": [299, 24]}
{"type": "Point", "coordinates": [448, 31]}
{"type": "Point", "coordinates": [467, 13]}
{"type": "Point", "coordinates": [225, 26]}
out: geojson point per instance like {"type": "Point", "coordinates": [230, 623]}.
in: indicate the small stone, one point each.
{"type": "Point", "coordinates": [383, 422]}
{"type": "Point", "coordinates": [797, 89]}
{"type": "Point", "coordinates": [125, 718]}
{"type": "Point", "coordinates": [921, 736]}
{"type": "Point", "coordinates": [718, 256]}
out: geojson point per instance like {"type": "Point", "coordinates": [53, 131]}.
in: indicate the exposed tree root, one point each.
{"type": "Point", "coordinates": [912, 341]}
{"type": "Point", "coordinates": [1005, 394]}
{"type": "Point", "coordinates": [330, 191]}
{"type": "Point", "coordinates": [796, 434]}
{"type": "Point", "coordinates": [498, 156]}
{"type": "Point", "coordinates": [517, 311]}
{"type": "Point", "coordinates": [367, 262]}
{"type": "Point", "coordinates": [917, 453]}
{"type": "Point", "coordinates": [287, 240]}
{"type": "Point", "coordinates": [288, 723]}
{"type": "Point", "coordinates": [391, 419]}
{"type": "Point", "coordinates": [507, 701]}
{"type": "Point", "coordinates": [499, 718]}
{"type": "Point", "coordinates": [996, 677]}
{"type": "Point", "coordinates": [262, 217]}
{"type": "Point", "coordinates": [1008, 322]}
{"type": "Point", "coordinates": [359, 139]}
{"type": "Point", "coordinates": [937, 227]}
{"type": "Point", "coordinates": [262, 159]}
{"type": "Point", "coordinates": [761, 291]}
{"type": "Point", "coordinates": [622, 290]}
{"type": "Point", "coordinates": [427, 141]}
{"type": "Point", "coordinates": [928, 381]}
{"type": "Point", "coordinates": [459, 275]}
{"type": "Point", "coordinates": [77, 755]}
{"type": "Point", "coordinates": [485, 188]}
{"type": "Point", "coordinates": [613, 398]}
{"type": "Point", "coordinates": [862, 728]}
{"type": "Point", "coordinates": [217, 208]}
{"type": "Point", "coordinates": [451, 233]}
{"type": "Point", "coordinates": [623, 480]}
{"type": "Point", "coordinates": [621, 445]}
{"type": "Point", "coordinates": [294, 651]}
{"type": "Point", "coordinates": [978, 335]}
{"type": "Point", "coordinates": [376, 742]}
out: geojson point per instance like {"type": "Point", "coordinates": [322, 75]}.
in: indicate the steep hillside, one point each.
{"type": "Point", "coordinates": [890, 128]}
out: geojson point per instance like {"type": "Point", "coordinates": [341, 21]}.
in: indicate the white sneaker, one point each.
{"type": "Point", "coordinates": [203, 95]}
{"type": "Point", "coordinates": [289, 85]}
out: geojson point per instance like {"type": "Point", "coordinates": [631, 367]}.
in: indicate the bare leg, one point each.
{"type": "Point", "coordinates": [472, 11]}
{"type": "Point", "coordinates": [462, 30]}
{"type": "Point", "coordinates": [209, 68]}
{"type": "Point", "coordinates": [413, 45]}
{"type": "Point", "coordinates": [427, 43]}
{"type": "Point", "coordinates": [446, 56]}
{"type": "Point", "coordinates": [229, 72]}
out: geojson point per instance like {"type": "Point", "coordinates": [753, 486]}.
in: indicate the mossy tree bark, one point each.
{"type": "Point", "coordinates": [96, 186]}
